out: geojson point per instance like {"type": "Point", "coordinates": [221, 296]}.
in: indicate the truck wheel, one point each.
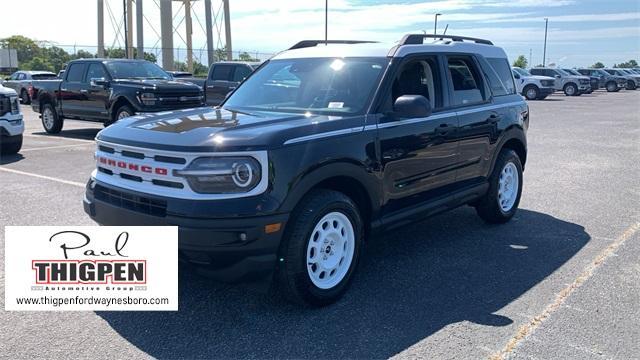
{"type": "Point", "coordinates": [320, 251]}
{"type": "Point", "coordinates": [501, 201]}
{"type": "Point", "coordinates": [570, 89]}
{"type": "Point", "coordinates": [51, 122]}
{"type": "Point", "coordinates": [611, 86]}
{"type": "Point", "coordinates": [24, 97]}
{"type": "Point", "coordinates": [631, 85]}
{"type": "Point", "coordinates": [531, 92]}
{"type": "Point", "coordinates": [123, 111]}
{"type": "Point", "coordinates": [10, 145]}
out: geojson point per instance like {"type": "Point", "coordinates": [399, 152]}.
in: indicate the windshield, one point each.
{"type": "Point", "coordinates": [136, 70]}
{"type": "Point", "coordinates": [572, 72]}
{"type": "Point", "coordinates": [562, 72]}
{"type": "Point", "coordinates": [318, 85]}
{"type": "Point", "coordinates": [522, 72]}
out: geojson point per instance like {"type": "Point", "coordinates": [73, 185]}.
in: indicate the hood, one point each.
{"type": "Point", "coordinates": [214, 129]}
{"type": "Point", "coordinates": [539, 77]}
{"type": "Point", "coordinates": [157, 84]}
{"type": "Point", "coordinates": [7, 91]}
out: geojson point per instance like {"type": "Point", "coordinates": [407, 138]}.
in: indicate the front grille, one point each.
{"type": "Point", "coordinates": [181, 99]}
{"type": "Point", "coordinates": [131, 202]}
{"type": "Point", "coordinates": [549, 83]}
{"type": "Point", "coordinates": [5, 105]}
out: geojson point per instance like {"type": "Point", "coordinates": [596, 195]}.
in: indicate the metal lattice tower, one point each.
{"type": "Point", "coordinates": [217, 21]}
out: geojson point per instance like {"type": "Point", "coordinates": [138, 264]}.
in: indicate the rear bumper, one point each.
{"type": "Point", "coordinates": [215, 244]}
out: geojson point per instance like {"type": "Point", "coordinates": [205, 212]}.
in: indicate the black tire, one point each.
{"type": "Point", "coordinates": [488, 207]}
{"type": "Point", "coordinates": [631, 85]}
{"type": "Point", "coordinates": [51, 121]}
{"type": "Point", "coordinates": [24, 97]}
{"type": "Point", "coordinates": [10, 145]}
{"type": "Point", "coordinates": [292, 276]}
{"type": "Point", "coordinates": [611, 86]}
{"type": "Point", "coordinates": [118, 114]}
{"type": "Point", "coordinates": [531, 92]}
{"type": "Point", "coordinates": [571, 89]}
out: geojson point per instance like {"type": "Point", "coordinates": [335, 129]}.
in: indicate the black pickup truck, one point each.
{"type": "Point", "coordinates": [107, 90]}
{"type": "Point", "coordinates": [223, 78]}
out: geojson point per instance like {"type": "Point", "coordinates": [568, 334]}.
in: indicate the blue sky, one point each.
{"type": "Point", "coordinates": [580, 32]}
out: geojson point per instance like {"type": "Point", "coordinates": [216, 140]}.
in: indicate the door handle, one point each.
{"type": "Point", "coordinates": [443, 129]}
{"type": "Point", "coordinates": [84, 91]}
{"type": "Point", "coordinates": [63, 89]}
{"type": "Point", "coordinates": [210, 86]}
{"type": "Point", "coordinates": [494, 118]}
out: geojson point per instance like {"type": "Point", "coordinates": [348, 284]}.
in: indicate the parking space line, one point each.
{"type": "Point", "coordinates": [562, 296]}
{"type": "Point", "coordinates": [56, 137]}
{"type": "Point", "coordinates": [54, 147]}
{"type": "Point", "coordinates": [42, 177]}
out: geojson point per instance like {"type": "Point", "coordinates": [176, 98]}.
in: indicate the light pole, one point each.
{"type": "Point", "coordinates": [326, 20]}
{"type": "Point", "coordinates": [544, 52]}
{"type": "Point", "coordinates": [435, 24]}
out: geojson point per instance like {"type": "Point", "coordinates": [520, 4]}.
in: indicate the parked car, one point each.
{"type": "Point", "coordinates": [634, 75]}
{"type": "Point", "coordinates": [319, 148]}
{"type": "Point", "coordinates": [11, 124]}
{"type": "Point", "coordinates": [21, 81]}
{"type": "Point", "coordinates": [610, 82]}
{"type": "Point", "coordinates": [224, 77]}
{"type": "Point", "coordinates": [632, 81]}
{"type": "Point", "coordinates": [593, 81]}
{"type": "Point", "coordinates": [107, 90]}
{"type": "Point", "coordinates": [572, 85]}
{"type": "Point", "coordinates": [533, 87]}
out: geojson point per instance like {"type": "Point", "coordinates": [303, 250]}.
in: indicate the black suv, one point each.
{"type": "Point", "coordinates": [319, 149]}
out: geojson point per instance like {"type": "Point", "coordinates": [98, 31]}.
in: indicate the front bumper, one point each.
{"type": "Point", "coordinates": [217, 245]}
{"type": "Point", "coordinates": [11, 125]}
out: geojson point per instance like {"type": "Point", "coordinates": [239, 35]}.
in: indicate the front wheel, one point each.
{"type": "Point", "coordinates": [611, 86]}
{"type": "Point", "coordinates": [123, 111]}
{"type": "Point", "coordinates": [531, 92]}
{"type": "Point", "coordinates": [321, 248]}
{"type": "Point", "coordinates": [24, 97]}
{"type": "Point", "coordinates": [10, 145]}
{"type": "Point", "coordinates": [501, 201]}
{"type": "Point", "coordinates": [631, 85]}
{"type": "Point", "coordinates": [570, 90]}
{"type": "Point", "coordinates": [51, 122]}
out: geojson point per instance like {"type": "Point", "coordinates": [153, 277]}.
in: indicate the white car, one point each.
{"type": "Point", "coordinates": [11, 124]}
{"type": "Point", "coordinates": [533, 87]}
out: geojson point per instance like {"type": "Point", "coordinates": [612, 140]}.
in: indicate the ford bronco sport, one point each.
{"type": "Point", "coordinates": [316, 151]}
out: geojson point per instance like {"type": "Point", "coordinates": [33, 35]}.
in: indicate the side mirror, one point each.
{"type": "Point", "coordinates": [412, 106]}
{"type": "Point", "coordinates": [558, 76]}
{"type": "Point", "coordinates": [516, 76]}
{"type": "Point", "coordinates": [99, 82]}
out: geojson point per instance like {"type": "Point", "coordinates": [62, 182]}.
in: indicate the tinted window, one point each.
{"type": "Point", "coordinates": [75, 73]}
{"type": "Point", "coordinates": [503, 70]}
{"type": "Point", "coordinates": [419, 77]}
{"type": "Point", "coordinates": [221, 72]}
{"type": "Point", "coordinates": [95, 71]}
{"type": "Point", "coordinates": [136, 70]}
{"type": "Point", "coordinates": [466, 80]}
{"type": "Point", "coordinates": [22, 76]}
{"type": "Point", "coordinates": [241, 73]}
{"type": "Point", "coordinates": [44, 76]}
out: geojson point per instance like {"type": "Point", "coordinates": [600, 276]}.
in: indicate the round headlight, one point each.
{"type": "Point", "coordinates": [242, 174]}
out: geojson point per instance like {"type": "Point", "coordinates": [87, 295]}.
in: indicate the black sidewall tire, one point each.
{"type": "Point", "coordinates": [575, 90]}
{"type": "Point", "coordinates": [57, 121]}
{"type": "Point", "coordinates": [24, 97]}
{"type": "Point", "coordinates": [537, 92]}
{"type": "Point", "coordinates": [611, 87]}
{"type": "Point", "coordinates": [121, 109]}
{"type": "Point", "coordinates": [293, 276]}
{"type": "Point", "coordinates": [488, 208]}
{"type": "Point", "coordinates": [10, 145]}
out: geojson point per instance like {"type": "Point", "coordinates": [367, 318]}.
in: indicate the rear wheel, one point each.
{"type": "Point", "coordinates": [321, 249]}
{"type": "Point", "coordinates": [611, 86]}
{"type": "Point", "coordinates": [531, 92]}
{"type": "Point", "coordinates": [570, 89]}
{"type": "Point", "coordinates": [51, 122]}
{"type": "Point", "coordinates": [501, 201]}
{"type": "Point", "coordinates": [631, 85]}
{"type": "Point", "coordinates": [24, 97]}
{"type": "Point", "coordinates": [10, 145]}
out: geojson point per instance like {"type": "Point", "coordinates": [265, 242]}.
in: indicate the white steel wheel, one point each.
{"type": "Point", "coordinates": [123, 114]}
{"type": "Point", "coordinates": [48, 118]}
{"type": "Point", "coordinates": [330, 250]}
{"type": "Point", "coordinates": [508, 186]}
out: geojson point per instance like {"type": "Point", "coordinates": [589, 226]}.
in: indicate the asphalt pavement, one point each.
{"type": "Point", "coordinates": [560, 281]}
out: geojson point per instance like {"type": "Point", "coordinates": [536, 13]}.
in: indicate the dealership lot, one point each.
{"type": "Point", "coordinates": [560, 280]}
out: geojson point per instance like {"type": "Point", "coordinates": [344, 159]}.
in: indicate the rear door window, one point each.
{"type": "Point", "coordinates": [221, 72]}
{"type": "Point", "coordinates": [241, 72]}
{"type": "Point", "coordinates": [467, 82]}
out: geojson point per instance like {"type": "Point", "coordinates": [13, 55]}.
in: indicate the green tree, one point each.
{"type": "Point", "coordinates": [521, 62]}
{"type": "Point", "coordinates": [26, 48]}
{"type": "Point", "coordinates": [83, 54]}
{"type": "Point", "coordinates": [597, 65]}
{"type": "Point", "coordinates": [199, 69]}
{"type": "Point", "coordinates": [244, 56]}
{"type": "Point", "coordinates": [629, 64]}
{"type": "Point", "coordinates": [56, 56]}
{"type": "Point", "coordinates": [221, 54]}
{"type": "Point", "coordinates": [38, 63]}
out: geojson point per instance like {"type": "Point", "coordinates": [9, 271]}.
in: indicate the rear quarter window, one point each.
{"type": "Point", "coordinates": [503, 71]}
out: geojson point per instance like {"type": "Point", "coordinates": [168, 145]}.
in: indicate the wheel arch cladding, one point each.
{"type": "Point", "coordinates": [121, 101]}
{"type": "Point", "coordinates": [516, 145]}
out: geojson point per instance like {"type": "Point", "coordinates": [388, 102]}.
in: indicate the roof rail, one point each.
{"type": "Point", "coordinates": [312, 43]}
{"type": "Point", "coordinates": [413, 39]}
